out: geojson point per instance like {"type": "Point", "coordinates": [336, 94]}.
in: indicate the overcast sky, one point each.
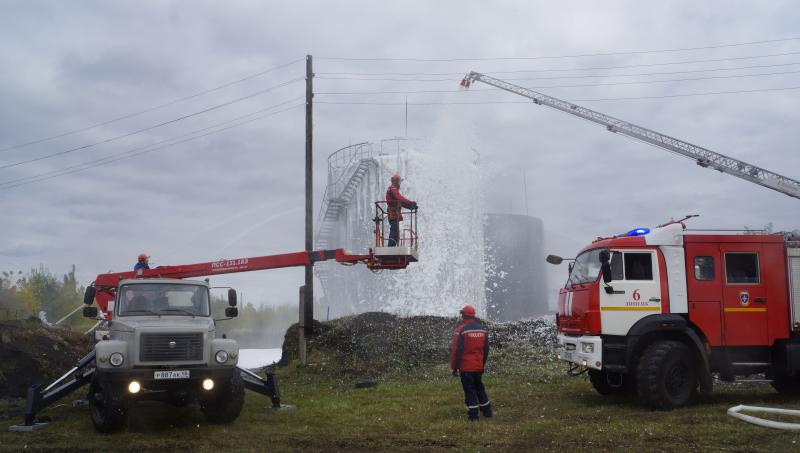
{"type": "Point", "coordinates": [66, 66]}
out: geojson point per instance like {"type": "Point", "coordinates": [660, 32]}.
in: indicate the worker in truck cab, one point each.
{"type": "Point", "coordinates": [395, 202]}
{"type": "Point", "coordinates": [142, 263]}
{"type": "Point", "coordinates": [468, 355]}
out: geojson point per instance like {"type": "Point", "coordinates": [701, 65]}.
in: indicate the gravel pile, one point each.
{"type": "Point", "coordinates": [376, 343]}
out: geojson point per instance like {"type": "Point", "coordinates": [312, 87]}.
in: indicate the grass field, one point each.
{"type": "Point", "coordinates": [540, 410]}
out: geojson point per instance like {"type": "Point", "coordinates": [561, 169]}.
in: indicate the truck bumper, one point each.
{"type": "Point", "coordinates": [581, 350]}
{"type": "Point", "coordinates": [147, 377]}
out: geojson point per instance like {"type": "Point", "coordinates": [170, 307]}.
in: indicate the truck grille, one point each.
{"type": "Point", "coordinates": [164, 347]}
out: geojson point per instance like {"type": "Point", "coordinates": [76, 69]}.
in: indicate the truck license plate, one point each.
{"type": "Point", "coordinates": [172, 374]}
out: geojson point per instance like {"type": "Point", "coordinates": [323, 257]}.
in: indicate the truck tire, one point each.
{"type": "Point", "coordinates": [788, 385]}
{"type": "Point", "coordinates": [225, 405]}
{"type": "Point", "coordinates": [599, 380]}
{"type": "Point", "coordinates": [667, 377]}
{"type": "Point", "coordinates": [108, 406]}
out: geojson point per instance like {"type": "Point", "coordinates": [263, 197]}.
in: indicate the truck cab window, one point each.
{"type": "Point", "coordinates": [638, 266]}
{"type": "Point", "coordinates": [741, 268]}
{"type": "Point", "coordinates": [704, 268]}
{"type": "Point", "coordinates": [586, 268]}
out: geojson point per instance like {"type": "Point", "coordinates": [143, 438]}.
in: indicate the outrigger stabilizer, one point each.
{"type": "Point", "coordinates": [38, 399]}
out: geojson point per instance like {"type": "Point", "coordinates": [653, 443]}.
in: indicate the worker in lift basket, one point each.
{"type": "Point", "coordinates": [468, 356]}
{"type": "Point", "coordinates": [395, 202]}
{"type": "Point", "coordinates": [142, 263]}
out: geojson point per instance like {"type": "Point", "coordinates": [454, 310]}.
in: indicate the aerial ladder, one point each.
{"type": "Point", "coordinates": [702, 156]}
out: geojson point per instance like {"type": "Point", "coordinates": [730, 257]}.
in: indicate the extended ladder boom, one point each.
{"type": "Point", "coordinates": [704, 157]}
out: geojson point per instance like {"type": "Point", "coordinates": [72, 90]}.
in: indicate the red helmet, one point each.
{"type": "Point", "coordinates": [468, 310]}
{"type": "Point", "coordinates": [396, 177]}
{"type": "Point", "coordinates": [143, 257]}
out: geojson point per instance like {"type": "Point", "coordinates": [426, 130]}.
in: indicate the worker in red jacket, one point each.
{"type": "Point", "coordinates": [394, 204]}
{"type": "Point", "coordinates": [468, 356]}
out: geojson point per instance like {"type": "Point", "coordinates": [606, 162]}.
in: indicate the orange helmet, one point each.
{"type": "Point", "coordinates": [143, 257]}
{"type": "Point", "coordinates": [396, 177]}
{"type": "Point", "coordinates": [468, 310]}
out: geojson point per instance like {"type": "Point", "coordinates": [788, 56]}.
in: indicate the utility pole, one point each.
{"type": "Point", "coordinates": [308, 294]}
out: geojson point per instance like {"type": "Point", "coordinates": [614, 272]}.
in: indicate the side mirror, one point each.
{"type": "Point", "coordinates": [232, 297]}
{"type": "Point", "coordinates": [231, 312]}
{"type": "Point", "coordinates": [605, 265]}
{"type": "Point", "coordinates": [88, 296]}
{"type": "Point", "coordinates": [554, 259]}
{"type": "Point", "coordinates": [605, 268]}
{"type": "Point", "coordinates": [89, 312]}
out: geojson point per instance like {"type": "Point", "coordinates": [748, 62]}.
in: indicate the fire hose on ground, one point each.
{"type": "Point", "coordinates": [736, 413]}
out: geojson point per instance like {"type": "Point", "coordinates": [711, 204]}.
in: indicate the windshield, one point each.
{"type": "Point", "coordinates": [586, 268]}
{"type": "Point", "coordinates": [163, 299]}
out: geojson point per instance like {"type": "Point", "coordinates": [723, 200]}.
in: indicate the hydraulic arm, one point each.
{"type": "Point", "coordinates": [702, 156]}
{"type": "Point", "coordinates": [106, 284]}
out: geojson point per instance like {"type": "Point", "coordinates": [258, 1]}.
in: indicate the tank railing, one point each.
{"type": "Point", "coordinates": [343, 158]}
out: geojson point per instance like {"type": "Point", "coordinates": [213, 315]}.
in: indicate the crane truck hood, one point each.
{"type": "Point", "coordinates": [165, 322]}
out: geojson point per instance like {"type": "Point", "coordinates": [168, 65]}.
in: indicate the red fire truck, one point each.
{"type": "Point", "coordinates": [658, 311]}
{"type": "Point", "coordinates": [674, 306]}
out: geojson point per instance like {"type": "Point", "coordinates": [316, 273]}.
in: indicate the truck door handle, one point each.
{"type": "Point", "coordinates": [761, 300]}
{"type": "Point", "coordinates": [655, 299]}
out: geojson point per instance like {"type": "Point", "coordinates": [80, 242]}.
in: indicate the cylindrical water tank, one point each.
{"type": "Point", "coordinates": [516, 285]}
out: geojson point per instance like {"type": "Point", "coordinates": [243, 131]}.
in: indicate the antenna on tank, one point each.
{"type": "Point", "coordinates": [525, 190]}
{"type": "Point", "coordinates": [406, 116]}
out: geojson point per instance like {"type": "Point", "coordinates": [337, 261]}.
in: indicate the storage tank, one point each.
{"type": "Point", "coordinates": [516, 285]}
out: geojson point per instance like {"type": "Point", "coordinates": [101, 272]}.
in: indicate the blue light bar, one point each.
{"type": "Point", "coordinates": [638, 232]}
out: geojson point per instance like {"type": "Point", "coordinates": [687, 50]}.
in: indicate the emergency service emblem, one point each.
{"type": "Point", "coordinates": [744, 297]}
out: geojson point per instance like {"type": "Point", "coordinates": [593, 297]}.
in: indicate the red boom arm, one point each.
{"type": "Point", "coordinates": [106, 284]}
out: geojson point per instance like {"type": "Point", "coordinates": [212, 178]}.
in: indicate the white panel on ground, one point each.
{"type": "Point", "coordinates": [258, 358]}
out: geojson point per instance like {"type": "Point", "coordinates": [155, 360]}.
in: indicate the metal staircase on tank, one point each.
{"type": "Point", "coordinates": [347, 168]}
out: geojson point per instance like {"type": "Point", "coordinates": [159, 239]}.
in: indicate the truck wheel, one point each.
{"type": "Point", "coordinates": [788, 385]}
{"type": "Point", "coordinates": [225, 405]}
{"type": "Point", "coordinates": [108, 406]}
{"type": "Point", "coordinates": [599, 380]}
{"type": "Point", "coordinates": [667, 377]}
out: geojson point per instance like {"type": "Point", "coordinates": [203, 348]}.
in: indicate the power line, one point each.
{"type": "Point", "coordinates": [585, 76]}
{"type": "Point", "coordinates": [517, 71]}
{"type": "Point", "coordinates": [599, 54]}
{"type": "Point", "coordinates": [422, 103]}
{"type": "Point", "coordinates": [679, 95]}
{"type": "Point", "coordinates": [151, 109]}
{"type": "Point", "coordinates": [471, 90]}
{"type": "Point", "coordinates": [174, 120]}
{"type": "Point", "coordinates": [600, 68]}
{"type": "Point", "coordinates": [710, 93]}
{"type": "Point", "coordinates": [144, 149]}
{"type": "Point", "coordinates": [693, 71]}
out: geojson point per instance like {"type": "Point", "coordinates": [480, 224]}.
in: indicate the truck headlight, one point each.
{"type": "Point", "coordinates": [221, 357]}
{"type": "Point", "coordinates": [116, 359]}
{"type": "Point", "coordinates": [587, 348]}
{"type": "Point", "coordinates": [134, 387]}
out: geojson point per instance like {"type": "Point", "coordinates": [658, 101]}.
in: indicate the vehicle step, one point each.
{"type": "Point", "coordinates": [753, 381]}
{"type": "Point", "coordinates": [751, 363]}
